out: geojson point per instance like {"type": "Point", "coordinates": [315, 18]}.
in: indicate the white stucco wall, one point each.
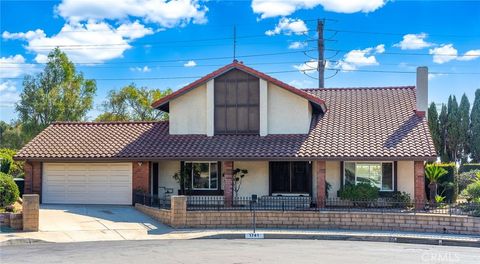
{"type": "Point", "coordinates": [288, 113]}
{"type": "Point", "coordinates": [188, 112]}
{"type": "Point", "coordinates": [166, 169]}
{"type": "Point", "coordinates": [333, 177]}
{"type": "Point", "coordinates": [256, 181]}
{"type": "Point", "coordinates": [405, 179]}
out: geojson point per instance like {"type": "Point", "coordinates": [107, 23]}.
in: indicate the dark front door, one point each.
{"type": "Point", "coordinates": [290, 177]}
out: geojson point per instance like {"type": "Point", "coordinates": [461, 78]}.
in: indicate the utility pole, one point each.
{"type": "Point", "coordinates": [321, 50]}
{"type": "Point", "coordinates": [234, 42]}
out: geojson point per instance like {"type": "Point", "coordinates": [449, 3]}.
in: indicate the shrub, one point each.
{"type": "Point", "coordinates": [402, 197]}
{"type": "Point", "coordinates": [361, 191]}
{"type": "Point", "coordinates": [16, 167]}
{"type": "Point", "coordinates": [5, 163]}
{"type": "Point", "coordinates": [469, 167]}
{"type": "Point", "coordinates": [472, 192]}
{"type": "Point", "coordinates": [465, 178]}
{"type": "Point", "coordinates": [8, 190]}
{"type": "Point", "coordinates": [445, 183]}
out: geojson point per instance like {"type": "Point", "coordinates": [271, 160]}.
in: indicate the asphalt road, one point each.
{"type": "Point", "coordinates": [219, 251]}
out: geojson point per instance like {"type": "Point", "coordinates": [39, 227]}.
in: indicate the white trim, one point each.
{"type": "Point", "coordinates": [263, 108]}
{"type": "Point", "coordinates": [371, 162]}
{"type": "Point", "coordinates": [210, 107]}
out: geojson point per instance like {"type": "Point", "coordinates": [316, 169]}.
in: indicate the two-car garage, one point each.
{"type": "Point", "coordinates": [87, 183]}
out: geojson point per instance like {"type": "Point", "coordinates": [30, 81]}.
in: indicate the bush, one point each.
{"type": "Point", "coordinates": [465, 178]}
{"type": "Point", "coordinates": [5, 163]}
{"type": "Point", "coordinates": [445, 183]}
{"type": "Point", "coordinates": [16, 167]}
{"type": "Point", "coordinates": [8, 190]}
{"type": "Point", "coordinates": [472, 192]}
{"type": "Point", "coordinates": [402, 197]}
{"type": "Point", "coordinates": [361, 191]}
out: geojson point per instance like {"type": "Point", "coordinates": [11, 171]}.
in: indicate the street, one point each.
{"type": "Point", "coordinates": [236, 251]}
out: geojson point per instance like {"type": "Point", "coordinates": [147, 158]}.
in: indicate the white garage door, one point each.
{"type": "Point", "coordinates": [87, 183]}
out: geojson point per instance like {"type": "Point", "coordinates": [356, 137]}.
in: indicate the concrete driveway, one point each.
{"type": "Point", "coordinates": [73, 223]}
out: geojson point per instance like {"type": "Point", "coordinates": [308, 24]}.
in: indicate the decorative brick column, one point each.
{"type": "Point", "coordinates": [419, 183]}
{"type": "Point", "coordinates": [33, 177]}
{"type": "Point", "coordinates": [321, 172]}
{"type": "Point", "coordinates": [141, 176]}
{"type": "Point", "coordinates": [178, 211]}
{"type": "Point", "coordinates": [228, 182]}
{"type": "Point", "coordinates": [30, 212]}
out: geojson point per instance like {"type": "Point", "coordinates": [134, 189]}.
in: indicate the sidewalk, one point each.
{"type": "Point", "coordinates": [15, 238]}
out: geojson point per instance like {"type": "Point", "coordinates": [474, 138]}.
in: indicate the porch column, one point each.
{"type": "Point", "coordinates": [228, 182]}
{"type": "Point", "coordinates": [419, 183]}
{"type": "Point", "coordinates": [321, 176]}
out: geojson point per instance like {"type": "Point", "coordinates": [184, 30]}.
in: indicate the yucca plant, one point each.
{"type": "Point", "coordinates": [433, 173]}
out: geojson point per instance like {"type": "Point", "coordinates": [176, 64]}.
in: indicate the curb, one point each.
{"type": "Point", "coordinates": [22, 241]}
{"type": "Point", "coordinates": [390, 239]}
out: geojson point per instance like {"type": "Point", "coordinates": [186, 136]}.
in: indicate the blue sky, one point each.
{"type": "Point", "coordinates": [119, 42]}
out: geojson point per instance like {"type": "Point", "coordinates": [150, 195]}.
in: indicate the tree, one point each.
{"type": "Point", "coordinates": [238, 175]}
{"type": "Point", "coordinates": [58, 93]}
{"type": "Point", "coordinates": [453, 129]}
{"type": "Point", "coordinates": [475, 128]}
{"type": "Point", "coordinates": [132, 104]}
{"type": "Point", "coordinates": [464, 127]}
{"type": "Point", "coordinates": [433, 125]}
{"type": "Point", "coordinates": [433, 174]}
{"type": "Point", "coordinates": [11, 136]}
{"type": "Point", "coordinates": [442, 123]}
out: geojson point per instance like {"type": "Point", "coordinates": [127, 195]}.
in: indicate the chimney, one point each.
{"type": "Point", "coordinates": [422, 91]}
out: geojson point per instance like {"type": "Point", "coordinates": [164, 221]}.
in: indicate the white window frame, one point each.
{"type": "Point", "coordinates": [372, 162]}
{"type": "Point", "coordinates": [209, 175]}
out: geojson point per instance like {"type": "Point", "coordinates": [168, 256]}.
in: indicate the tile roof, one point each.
{"type": "Point", "coordinates": [238, 65]}
{"type": "Point", "coordinates": [361, 124]}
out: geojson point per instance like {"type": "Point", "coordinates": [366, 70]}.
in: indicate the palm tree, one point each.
{"type": "Point", "coordinates": [433, 173]}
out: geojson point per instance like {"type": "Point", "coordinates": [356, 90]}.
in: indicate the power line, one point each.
{"type": "Point", "coordinates": [398, 34]}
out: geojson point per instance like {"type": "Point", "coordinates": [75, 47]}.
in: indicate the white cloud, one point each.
{"type": "Point", "coordinates": [469, 55]}
{"type": "Point", "coordinates": [162, 12]}
{"type": "Point", "coordinates": [288, 26]}
{"type": "Point", "coordinates": [444, 53]}
{"type": "Point", "coordinates": [434, 75]}
{"type": "Point", "coordinates": [359, 58]}
{"type": "Point", "coordinates": [273, 8]}
{"type": "Point", "coordinates": [297, 45]}
{"type": "Point", "coordinates": [141, 69]}
{"type": "Point", "coordinates": [90, 42]}
{"type": "Point", "coordinates": [307, 67]}
{"type": "Point", "coordinates": [14, 66]}
{"type": "Point", "coordinates": [9, 95]}
{"type": "Point", "coordinates": [301, 83]}
{"type": "Point", "coordinates": [413, 42]}
{"type": "Point", "coordinates": [190, 64]}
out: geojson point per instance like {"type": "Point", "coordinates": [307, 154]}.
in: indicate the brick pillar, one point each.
{"type": "Point", "coordinates": [228, 182]}
{"type": "Point", "coordinates": [178, 211]}
{"type": "Point", "coordinates": [321, 184]}
{"type": "Point", "coordinates": [33, 177]}
{"type": "Point", "coordinates": [30, 212]}
{"type": "Point", "coordinates": [141, 176]}
{"type": "Point", "coordinates": [419, 183]}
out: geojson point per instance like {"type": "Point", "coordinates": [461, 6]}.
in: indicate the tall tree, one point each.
{"type": "Point", "coordinates": [464, 127]}
{"type": "Point", "coordinates": [453, 129]}
{"type": "Point", "coordinates": [433, 125]}
{"type": "Point", "coordinates": [442, 122]}
{"type": "Point", "coordinates": [475, 128]}
{"type": "Point", "coordinates": [132, 103]}
{"type": "Point", "coordinates": [58, 93]}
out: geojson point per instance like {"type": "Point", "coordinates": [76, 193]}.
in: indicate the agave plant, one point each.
{"type": "Point", "coordinates": [434, 173]}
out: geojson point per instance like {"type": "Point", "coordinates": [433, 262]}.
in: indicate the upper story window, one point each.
{"type": "Point", "coordinates": [237, 100]}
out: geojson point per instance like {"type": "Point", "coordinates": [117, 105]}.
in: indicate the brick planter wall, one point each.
{"type": "Point", "coordinates": [179, 217]}
{"type": "Point", "coordinates": [16, 221]}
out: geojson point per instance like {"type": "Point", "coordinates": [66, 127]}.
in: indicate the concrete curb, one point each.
{"type": "Point", "coordinates": [22, 241]}
{"type": "Point", "coordinates": [390, 239]}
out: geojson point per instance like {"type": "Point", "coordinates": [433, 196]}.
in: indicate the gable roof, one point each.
{"type": "Point", "coordinates": [162, 103]}
{"type": "Point", "coordinates": [361, 124]}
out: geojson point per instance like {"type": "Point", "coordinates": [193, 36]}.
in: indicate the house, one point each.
{"type": "Point", "coordinates": [292, 142]}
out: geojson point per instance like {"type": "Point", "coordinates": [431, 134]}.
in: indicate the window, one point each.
{"type": "Point", "coordinates": [204, 175]}
{"type": "Point", "coordinates": [378, 174]}
{"type": "Point", "coordinates": [290, 177]}
{"type": "Point", "coordinates": [237, 100]}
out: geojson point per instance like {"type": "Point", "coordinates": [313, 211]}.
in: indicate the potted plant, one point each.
{"type": "Point", "coordinates": [433, 173]}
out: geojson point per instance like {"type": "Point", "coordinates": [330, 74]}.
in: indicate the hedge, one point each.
{"type": "Point", "coordinates": [469, 167]}
{"type": "Point", "coordinates": [449, 193]}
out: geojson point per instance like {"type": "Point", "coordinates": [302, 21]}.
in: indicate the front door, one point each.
{"type": "Point", "coordinates": [290, 177]}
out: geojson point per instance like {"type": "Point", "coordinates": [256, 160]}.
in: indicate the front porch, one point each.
{"type": "Point", "coordinates": [303, 184]}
